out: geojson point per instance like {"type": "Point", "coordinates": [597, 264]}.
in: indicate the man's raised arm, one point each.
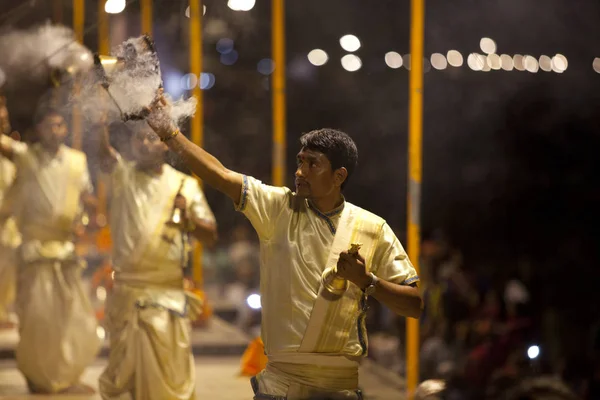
{"type": "Point", "coordinates": [200, 162]}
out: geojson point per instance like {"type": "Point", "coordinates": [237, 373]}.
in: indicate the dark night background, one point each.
{"type": "Point", "coordinates": [511, 172]}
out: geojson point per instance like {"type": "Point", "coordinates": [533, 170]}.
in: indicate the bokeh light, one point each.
{"type": "Point", "coordinates": [559, 63]}
{"type": "Point", "coordinates": [189, 81]}
{"type": "Point", "coordinates": [266, 66]}
{"type": "Point", "coordinates": [207, 81]}
{"type": "Point", "coordinates": [487, 45]}
{"type": "Point", "coordinates": [455, 59]}
{"type": "Point", "coordinates": [351, 62]}
{"type": "Point", "coordinates": [229, 58]}
{"type": "Point", "coordinates": [393, 59]}
{"type": "Point", "coordinates": [438, 61]}
{"type": "Point", "coordinates": [225, 45]}
{"type": "Point", "coordinates": [506, 62]}
{"type": "Point", "coordinates": [350, 43]}
{"type": "Point", "coordinates": [318, 57]}
{"type": "Point", "coordinates": [114, 6]}
{"type": "Point", "coordinates": [241, 5]}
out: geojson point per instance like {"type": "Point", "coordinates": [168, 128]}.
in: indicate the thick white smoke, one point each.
{"type": "Point", "coordinates": [31, 55]}
{"type": "Point", "coordinates": [132, 80]}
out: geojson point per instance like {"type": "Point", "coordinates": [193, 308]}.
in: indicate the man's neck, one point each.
{"type": "Point", "coordinates": [51, 150]}
{"type": "Point", "coordinates": [154, 169]}
{"type": "Point", "coordinates": [326, 204]}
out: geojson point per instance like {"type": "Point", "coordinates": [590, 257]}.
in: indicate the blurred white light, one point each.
{"type": "Point", "coordinates": [114, 6]}
{"type": "Point", "coordinates": [351, 63]}
{"type": "Point", "coordinates": [438, 61]}
{"type": "Point", "coordinates": [84, 56]}
{"type": "Point", "coordinates": [533, 352]}
{"type": "Point", "coordinates": [241, 5]}
{"type": "Point", "coordinates": [172, 82]}
{"type": "Point", "coordinates": [101, 293]}
{"type": "Point", "coordinates": [253, 301]}
{"type": "Point", "coordinates": [559, 63]}
{"type": "Point", "coordinates": [100, 332]}
{"type": "Point", "coordinates": [494, 62]}
{"type": "Point", "coordinates": [317, 57]}
{"type": "Point", "coordinates": [406, 61]}
{"type": "Point", "coordinates": [187, 11]}
{"type": "Point", "coordinates": [595, 65]}
{"type": "Point", "coordinates": [545, 63]}
{"type": "Point", "coordinates": [477, 62]}
{"type": "Point", "coordinates": [224, 45]}
{"type": "Point", "coordinates": [229, 58]}
{"type": "Point", "coordinates": [487, 45]}
{"type": "Point", "coordinates": [518, 62]}
{"type": "Point", "coordinates": [530, 64]}
{"type": "Point", "coordinates": [350, 43]}
{"type": "Point", "coordinates": [506, 62]}
{"type": "Point", "coordinates": [455, 58]}
{"type": "Point", "coordinates": [207, 80]}
{"type": "Point", "coordinates": [189, 81]}
{"type": "Point", "coordinates": [393, 59]}
{"type": "Point", "coordinates": [266, 66]}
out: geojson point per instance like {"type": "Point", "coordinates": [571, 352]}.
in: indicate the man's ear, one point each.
{"type": "Point", "coordinates": [340, 176]}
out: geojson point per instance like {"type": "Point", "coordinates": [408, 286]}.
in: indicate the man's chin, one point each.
{"type": "Point", "coordinates": [302, 192]}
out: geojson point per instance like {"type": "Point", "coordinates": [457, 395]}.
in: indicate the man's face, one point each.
{"type": "Point", "coordinates": [314, 176]}
{"type": "Point", "coordinates": [147, 148]}
{"type": "Point", "coordinates": [52, 131]}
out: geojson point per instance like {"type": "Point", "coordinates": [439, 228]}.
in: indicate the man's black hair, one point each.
{"type": "Point", "coordinates": [43, 112]}
{"type": "Point", "coordinates": [338, 147]}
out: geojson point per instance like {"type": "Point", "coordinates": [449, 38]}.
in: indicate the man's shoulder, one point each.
{"type": "Point", "coordinates": [365, 215]}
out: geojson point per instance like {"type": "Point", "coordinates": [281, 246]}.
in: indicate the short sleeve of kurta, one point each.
{"type": "Point", "coordinates": [390, 261]}
{"type": "Point", "coordinates": [262, 205]}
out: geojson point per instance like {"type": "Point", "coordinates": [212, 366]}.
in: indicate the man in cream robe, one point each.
{"type": "Point", "coordinates": [9, 235]}
{"type": "Point", "coordinates": [313, 340]}
{"type": "Point", "coordinates": [9, 241]}
{"type": "Point", "coordinates": [57, 326]}
{"type": "Point", "coordinates": [148, 312]}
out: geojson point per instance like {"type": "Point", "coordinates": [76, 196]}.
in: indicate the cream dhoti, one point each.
{"type": "Point", "coordinates": [57, 327]}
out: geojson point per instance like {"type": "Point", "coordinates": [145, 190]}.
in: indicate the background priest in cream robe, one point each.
{"type": "Point", "coordinates": [148, 310]}
{"type": "Point", "coordinates": [57, 326]}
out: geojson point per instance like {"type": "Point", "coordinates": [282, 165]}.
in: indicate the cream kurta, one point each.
{"type": "Point", "coordinates": [9, 241]}
{"type": "Point", "coordinates": [147, 311]}
{"type": "Point", "coordinates": [57, 326]}
{"type": "Point", "coordinates": [295, 241]}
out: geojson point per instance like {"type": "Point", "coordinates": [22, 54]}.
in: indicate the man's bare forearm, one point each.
{"type": "Point", "coordinates": [108, 155]}
{"type": "Point", "coordinates": [207, 167]}
{"type": "Point", "coordinates": [205, 231]}
{"type": "Point", "coordinates": [403, 300]}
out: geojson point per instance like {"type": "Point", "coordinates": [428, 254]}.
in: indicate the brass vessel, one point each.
{"type": "Point", "coordinates": [334, 284]}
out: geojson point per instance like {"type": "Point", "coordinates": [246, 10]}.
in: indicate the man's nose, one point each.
{"type": "Point", "coordinates": [299, 172]}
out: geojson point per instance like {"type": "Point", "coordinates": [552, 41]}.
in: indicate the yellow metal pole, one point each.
{"type": "Point", "coordinates": [197, 122]}
{"type": "Point", "coordinates": [78, 28]}
{"type": "Point", "coordinates": [146, 17]}
{"type": "Point", "coordinates": [415, 172]}
{"type": "Point", "coordinates": [278, 91]}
